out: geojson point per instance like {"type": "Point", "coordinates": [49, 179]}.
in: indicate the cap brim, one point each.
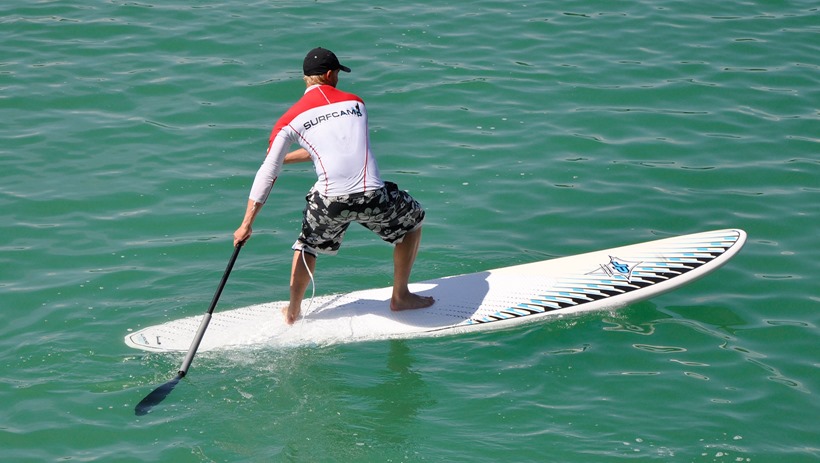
{"type": "Point", "coordinates": [344, 68]}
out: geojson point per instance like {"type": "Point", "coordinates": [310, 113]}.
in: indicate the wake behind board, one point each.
{"type": "Point", "coordinates": [494, 299]}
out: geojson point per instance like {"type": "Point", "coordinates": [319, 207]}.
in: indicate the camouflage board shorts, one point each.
{"type": "Point", "coordinates": [389, 212]}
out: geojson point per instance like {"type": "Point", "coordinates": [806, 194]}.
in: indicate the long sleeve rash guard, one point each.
{"type": "Point", "coordinates": [332, 126]}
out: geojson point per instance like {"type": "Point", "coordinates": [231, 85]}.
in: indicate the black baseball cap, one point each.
{"type": "Point", "coordinates": [319, 60]}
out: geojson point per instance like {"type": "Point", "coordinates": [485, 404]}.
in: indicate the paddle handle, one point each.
{"type": "Point", "coordinates": [206, 319]}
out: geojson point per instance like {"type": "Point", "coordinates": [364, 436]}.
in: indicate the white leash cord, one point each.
{"type": "Point", "coordinates": [312, 284]}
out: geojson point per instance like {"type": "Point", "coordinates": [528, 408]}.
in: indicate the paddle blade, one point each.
{"type": "Point", "coordinates": [156, 396]}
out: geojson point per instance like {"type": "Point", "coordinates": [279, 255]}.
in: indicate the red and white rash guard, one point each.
{"type": "Point", "coordinates": [332, 126]}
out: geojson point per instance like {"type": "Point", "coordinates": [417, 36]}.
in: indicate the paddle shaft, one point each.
{"type": "Point", "coordinates": [206, 319]}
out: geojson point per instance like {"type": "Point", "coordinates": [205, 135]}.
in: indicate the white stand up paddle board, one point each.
{"type": "Point", "coordinates": [493, 299]}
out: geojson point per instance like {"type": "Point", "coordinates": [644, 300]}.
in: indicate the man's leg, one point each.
{"type": "Point", "coordinates": [404, 255]}
{"type": "Point", "coordinates": [299, 280]}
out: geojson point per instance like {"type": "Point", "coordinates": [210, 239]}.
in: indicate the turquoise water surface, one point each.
{"type": "Point", "coordinates": [529, 130]}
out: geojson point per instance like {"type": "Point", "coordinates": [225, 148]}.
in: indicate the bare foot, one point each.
{"type": "Point", "coordinates": [290, 318]}
{"type": "Point", "coordinates": [411, 302]}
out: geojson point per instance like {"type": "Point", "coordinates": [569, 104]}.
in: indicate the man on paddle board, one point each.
{"type": "Point", "coordinates": [331, 127]}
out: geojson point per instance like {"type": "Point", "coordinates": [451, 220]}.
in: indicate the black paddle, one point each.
{"type": "Point", "coordinates": [159, 394]}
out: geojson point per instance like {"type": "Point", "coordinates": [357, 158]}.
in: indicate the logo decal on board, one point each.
{"type": "Point", "coordinates": [618, 268]}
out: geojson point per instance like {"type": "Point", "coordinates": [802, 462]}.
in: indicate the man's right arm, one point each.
{"type": "Point", "coordinates": [300, 155]}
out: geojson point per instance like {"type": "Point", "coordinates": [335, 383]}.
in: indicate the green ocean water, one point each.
{"type": "Point", "coordinates": [130, 132]}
